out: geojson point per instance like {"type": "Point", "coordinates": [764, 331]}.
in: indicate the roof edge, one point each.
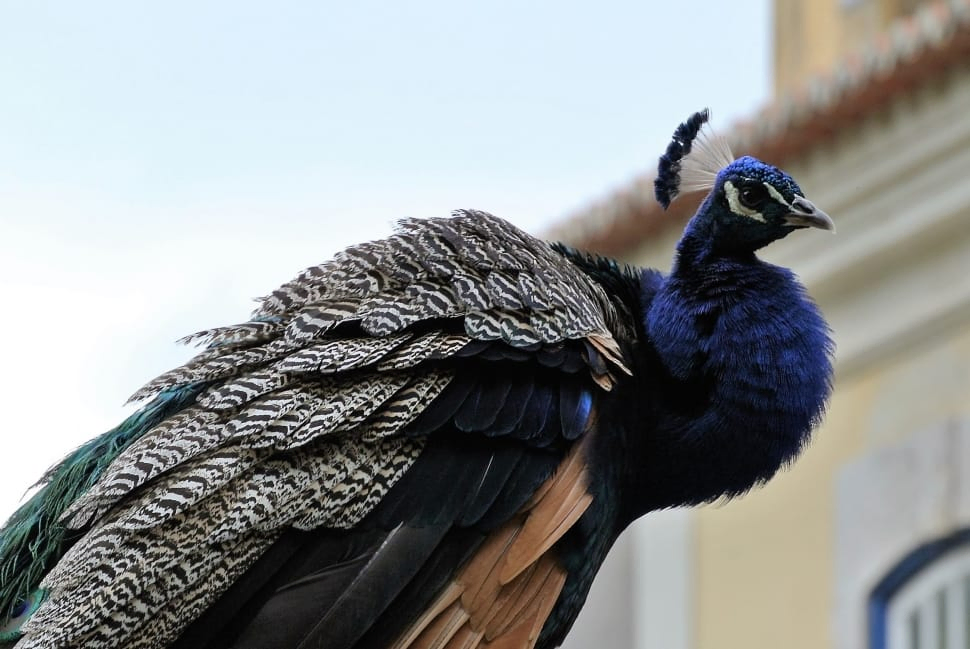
{"type": "Point", "coordinates": [911, 53]}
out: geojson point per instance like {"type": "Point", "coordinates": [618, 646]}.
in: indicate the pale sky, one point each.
{"type": "Point", "coordinates": [163, 163]}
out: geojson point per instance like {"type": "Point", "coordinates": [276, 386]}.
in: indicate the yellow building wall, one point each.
{"type": "Point", "coordinates": [764, 573]}
{"type": "Point", "coordinates": [812, 36]}
{"type": "Point", "coordinates": [807, 40]}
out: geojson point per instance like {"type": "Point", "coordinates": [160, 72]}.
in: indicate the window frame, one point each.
{"type": "Point", "coordinates": [908, 568]}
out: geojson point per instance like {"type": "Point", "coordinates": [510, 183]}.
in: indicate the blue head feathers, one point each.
{"type": "Point", "coordinates": [751, 203]}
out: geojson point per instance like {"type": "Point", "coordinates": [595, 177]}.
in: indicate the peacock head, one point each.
{"type": "Point", "coordinates": [750, 203]}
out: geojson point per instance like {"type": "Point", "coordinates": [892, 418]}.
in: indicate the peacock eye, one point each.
{"type": "Point", "coordinates": [19, 608]}
{"type": "Point", "coordinates": [752, 196]}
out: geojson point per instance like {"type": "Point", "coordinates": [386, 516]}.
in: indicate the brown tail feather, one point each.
{"type": "Point", "coordinates": [501, 597]}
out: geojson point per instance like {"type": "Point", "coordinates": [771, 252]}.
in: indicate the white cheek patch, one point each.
{"type": "Point", "coordinates": [735, 203]}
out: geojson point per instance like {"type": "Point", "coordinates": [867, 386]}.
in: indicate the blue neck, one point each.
{"type": "Point", "coordinates": [707, 236]}
{"type": "Point", "coordinates": [748, 358]}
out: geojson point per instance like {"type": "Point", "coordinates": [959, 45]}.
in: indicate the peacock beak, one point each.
{"type": "Point", "coordinates": [804, 213]}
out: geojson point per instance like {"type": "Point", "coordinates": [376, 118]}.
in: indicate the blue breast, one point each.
{"type": "Point", "coordinates": [755, 356]}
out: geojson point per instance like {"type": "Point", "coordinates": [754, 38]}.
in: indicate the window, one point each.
{"type": "Point", "coordinates": [924, 602]}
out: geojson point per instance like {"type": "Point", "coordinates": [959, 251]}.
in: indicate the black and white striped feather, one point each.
{"type": "Point", "coordinates": [303, 422]}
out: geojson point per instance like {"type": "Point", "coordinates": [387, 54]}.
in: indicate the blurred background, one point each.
{"type": "Point", "coordinates": [161, 165]}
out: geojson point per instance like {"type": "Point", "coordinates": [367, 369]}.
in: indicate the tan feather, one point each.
{"type": "Point", "coordinates": [465, 638]}
{"type": "Point", "coordinates": [560, 507]}
{"type": "Point", "coordinates": [505, 601]}
{"type": "Point", "coordinates": [481, 575]}
{"type": "Point", "coordinates": [501, 597]}
{"type": "Point", "coordinates": [607, 345]}
{"type": "Point", "coordinates": [444, 601]}
{"type": "Point", "coordinates": [442, 629]}
{"type": "Point", "coordinates": [518, 639]}
{"type": "Point", "coordinates": [519, 608]}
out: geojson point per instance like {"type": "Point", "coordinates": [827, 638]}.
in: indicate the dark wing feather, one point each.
{"type": "Point", "coordinates": [514, 408]}
{"type": "Point", "coordinates": [504, 593]}
{"type": "Point", "coordinates": [319, 407]}
{"type": "Point", "coordinates": [374, 586]}
{"type": "Point", "coordinates": [483, 588]}
{"type": "Point", "coordinates": [333, 555]}
{"type": "Point", "coordinates": [440, 505]}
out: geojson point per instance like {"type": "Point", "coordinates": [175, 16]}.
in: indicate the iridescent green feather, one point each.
{"type": "Point", "coordinates": [33, 539]}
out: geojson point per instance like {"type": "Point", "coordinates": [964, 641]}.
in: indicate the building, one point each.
{"type": "Point", "coordinates": [865, 542]}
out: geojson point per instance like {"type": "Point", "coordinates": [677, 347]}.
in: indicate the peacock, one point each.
{"type": "Point", "coordinates": [433, 440]}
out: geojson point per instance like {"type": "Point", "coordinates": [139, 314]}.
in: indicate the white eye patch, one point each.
{"type": "Point", "coordinates": [734, 202]}
{"type": "Point", "coordinates": [775, 194]}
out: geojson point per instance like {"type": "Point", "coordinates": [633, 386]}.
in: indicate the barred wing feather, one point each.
{"type": "Point", "coordinates": [313, 412]}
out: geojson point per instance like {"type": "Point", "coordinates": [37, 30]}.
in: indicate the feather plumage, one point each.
{"type": "Point", "coordinates": [693, 159]}
{"type": "Point", "coordinates": [432, 440]}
